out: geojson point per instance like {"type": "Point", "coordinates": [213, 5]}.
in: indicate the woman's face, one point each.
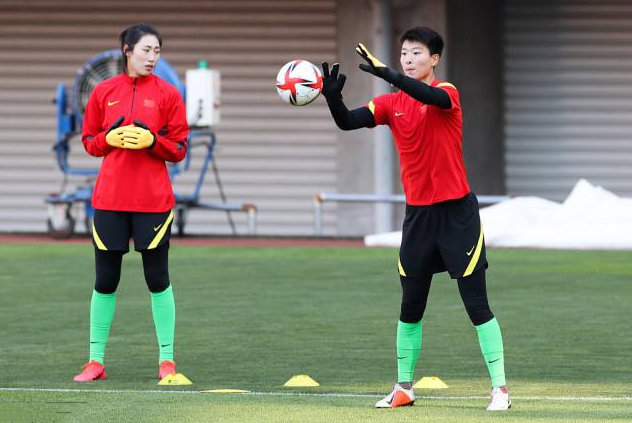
{"type": "Point", "coordinates": [142, 60]}
{"type": "Point", "coordinates": [416, 60]}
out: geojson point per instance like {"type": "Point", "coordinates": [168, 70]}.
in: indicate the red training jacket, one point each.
{"type": "Point", "coordinates": [135, 180]}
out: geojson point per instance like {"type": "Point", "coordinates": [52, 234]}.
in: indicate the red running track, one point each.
{"type": "Point", "coordinates": [199, 241]}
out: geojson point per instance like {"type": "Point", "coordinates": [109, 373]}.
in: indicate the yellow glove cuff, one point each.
{"type": "Point", "coordinates": [365, 53]}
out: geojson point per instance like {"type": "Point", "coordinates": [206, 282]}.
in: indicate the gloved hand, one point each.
{"type": "Point", "coordinates": [332, 82]}
{"type": "Point", "coordinates": [138, 136]}
{"type": "Point", "coordinates": [114, 135]}
{"type": "Point", "coordinates": [374, 67]}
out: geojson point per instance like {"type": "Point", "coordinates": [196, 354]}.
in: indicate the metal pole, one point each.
{"type": "Point", "coordinates": [318, 216]}
{"type": "Point", "coordinates": [322, 197]}
{"type": "Point", "coordinates": [252, 220]}
{"type": "Point", "coordinates": [383, 147]}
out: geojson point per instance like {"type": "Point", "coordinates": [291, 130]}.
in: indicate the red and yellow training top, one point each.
{"type": "Point", "coordinates": [429, 142]}
{"type": "Point", "coordinates": [135, 180]}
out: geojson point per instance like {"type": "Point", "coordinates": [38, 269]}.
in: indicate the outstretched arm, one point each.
{"type": "Point", "coordinates": [332, 91]}
{"type": "Point", "coordinates": [416, 89]}
{"type": "Point", "coordinates": [351, 119]}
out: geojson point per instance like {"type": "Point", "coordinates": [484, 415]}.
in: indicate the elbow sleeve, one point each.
{"type": "Point", "coordinates": [350, 119]}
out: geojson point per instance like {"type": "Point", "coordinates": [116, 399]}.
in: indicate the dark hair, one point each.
{"type": "Point", "coordinates": [426, 36]}
{"type": "Point", "coordinates": [132, 35]}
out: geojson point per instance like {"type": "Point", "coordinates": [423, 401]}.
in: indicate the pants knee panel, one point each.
{"type": "Point", "coordinates": [107, 270]}
{"type": "Point", "coordinates": [479, 313]}
{"type": "Point", "coordinates": [414, 297]}
{"type": "Point", "coordinates": [156, 268]}
{"type": "Point", "coordinates": [473, 292]}
{"type": "Point", "coordinates": [157, 280]}
{"type": "Point", "coordinates": [412, 312]}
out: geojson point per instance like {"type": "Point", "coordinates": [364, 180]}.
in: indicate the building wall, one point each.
{"type": "Point", "coordinates": [568, 79]}
{"type": "Point", "coordinates": [268, 153]}
{"type": "Point", "coordinates": [475, 43]}
{"type": "Point", "coordinates": [544, 86]}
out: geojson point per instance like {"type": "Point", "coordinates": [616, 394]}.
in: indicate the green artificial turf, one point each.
{"type": "Point", "coordinates": [250, 318]}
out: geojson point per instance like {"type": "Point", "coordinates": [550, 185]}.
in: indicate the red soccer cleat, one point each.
{"type": "Point", "coordinates": [166, 368]}
{"type": "Point", "coordinates": [92, 370]}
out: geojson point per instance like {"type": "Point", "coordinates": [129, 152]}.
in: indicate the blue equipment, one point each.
{"type": "Point", "coordinates": [61, 223]}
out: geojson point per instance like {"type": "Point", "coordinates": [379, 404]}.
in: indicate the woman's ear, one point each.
{"type": "Point", "coordinates": [434, 59]}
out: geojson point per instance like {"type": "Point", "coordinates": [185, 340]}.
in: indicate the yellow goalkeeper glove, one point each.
{"type": "Point", "coordinates": [366, 55]}
{"type": "Point", "coordinates": [138, 136]}
{"type": "Point", "coordinates": [114, 135]}
{"type": "Point", "coordinates": [375, 67]}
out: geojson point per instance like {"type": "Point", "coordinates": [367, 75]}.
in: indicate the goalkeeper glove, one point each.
{"type": "Point", "coordinates": [332, 82]}
{"type": "Point", "coordinates": [114, 134]}
{"type": "Point", "coordinates": [375, 67]}
{"type": "Point", "coordinates": [138, 136]}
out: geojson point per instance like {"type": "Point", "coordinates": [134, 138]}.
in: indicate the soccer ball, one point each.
{"type": "Point", "coordinates": [299, 82]}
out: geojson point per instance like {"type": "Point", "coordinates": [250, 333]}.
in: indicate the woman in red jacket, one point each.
{"type": "Point", "coordinates": [136, 122]}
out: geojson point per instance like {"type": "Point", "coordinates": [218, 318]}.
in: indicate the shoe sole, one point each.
{"type": "Point", "coordinates": [410, 404]}
{"type": "Point", "coordinates": [102, 376]}
{"type": "Point", "coordinates": [501, 409]}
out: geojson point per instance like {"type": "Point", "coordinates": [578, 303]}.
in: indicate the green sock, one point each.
{"type": "Point", "coordinates": [491, 341]}
{"type": "Point", "coordinates": [408, 347]}
{"type": "Point", "coordinates": [163, 308]}
{"type": "Point", "coordinates": [102, 309]}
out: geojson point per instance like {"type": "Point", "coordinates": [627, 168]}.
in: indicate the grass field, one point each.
{"type": "Point", "coordinates": [250, 318]}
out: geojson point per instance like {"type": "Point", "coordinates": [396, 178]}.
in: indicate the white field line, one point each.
{"type": "Point", "coordinates": [310, 394]}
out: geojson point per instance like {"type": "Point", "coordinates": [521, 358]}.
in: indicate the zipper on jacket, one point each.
{"type": "Point", "coordinates": [131, 110]}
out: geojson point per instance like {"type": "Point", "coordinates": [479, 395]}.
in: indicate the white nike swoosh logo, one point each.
{"type": "Point", "coordinates": [469, 253]}
{"type": "Point", "coordinates": [157, 227]}
{"type": "Point", "coordinates": [399, 114]}
{"type": "Point", "coordinates": [112, 103]}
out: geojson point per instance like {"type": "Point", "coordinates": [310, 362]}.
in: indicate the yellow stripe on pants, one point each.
{"type": "Point", "coordinates": [400, 268]}
{"type": "Point", "coordinates": [97, 240]}
{"type": "Point", "coordinates": [476, 255]}
{"type": "Point", "coordinates": [154, 243]}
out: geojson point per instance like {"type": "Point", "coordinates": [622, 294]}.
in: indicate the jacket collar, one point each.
{"type": "Point", "coordinates": [140, 80]}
